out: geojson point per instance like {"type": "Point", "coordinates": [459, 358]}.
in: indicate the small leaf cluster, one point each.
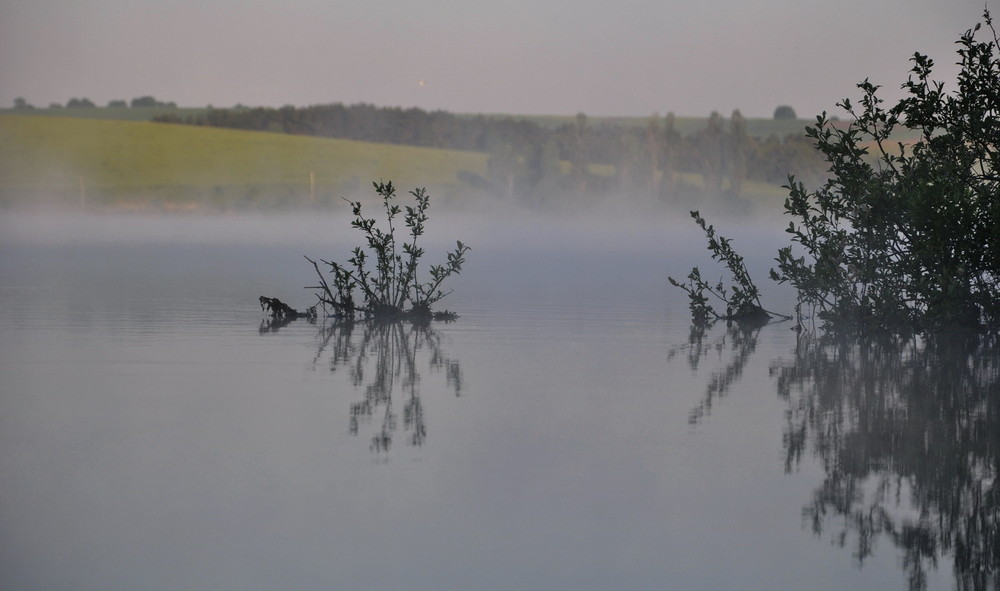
{"type": "Point", "coordinates": [742, 297]}
{"type": "Point", "coordinates": [385, 270]}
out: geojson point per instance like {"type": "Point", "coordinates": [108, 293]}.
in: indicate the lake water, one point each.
{"type": "Point", "coordinates": [569, 431]}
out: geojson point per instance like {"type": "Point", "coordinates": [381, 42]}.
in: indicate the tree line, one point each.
{"type": "Point", "coordinates": [537, 162]}
{"type": "Point", "coordinates": [139, 102]}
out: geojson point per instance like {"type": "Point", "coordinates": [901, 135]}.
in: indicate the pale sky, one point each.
{"type": "Point", "coordinates": [602, 58]}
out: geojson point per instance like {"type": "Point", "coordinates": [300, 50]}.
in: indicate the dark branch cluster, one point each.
{"type": "Point", "coordinates": [385, 272]}
{"type": "Point", "coordinates": [902, 236]}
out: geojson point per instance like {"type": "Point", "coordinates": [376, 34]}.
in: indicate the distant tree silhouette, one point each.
{"type": "Point", "coordinates": [148, 101]}
{"type": "Point", "coordinates": [710, 145]}
{"type": "Point", "coordinates": [740, 144]}
{"type": "Point", "coordinates": [784, 112]}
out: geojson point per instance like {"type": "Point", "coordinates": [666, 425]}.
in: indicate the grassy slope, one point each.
{"type": "Point", "coordinates": [146, 163]}
{"type": "Point", "coordinates": [142, 164]}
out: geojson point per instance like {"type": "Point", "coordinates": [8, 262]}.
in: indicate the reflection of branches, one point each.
{"type": "Point", "coordinates": [276, 323]}
{"type": "Point", "coordinates": [695, 348]}
{"type": "Point", "coordinates": [739, 340]}
{"type": "Point", "coordinates": [273, 324]}
{"type": "Point", "coordinates": [383, 356]}
{"type": "Point", "coordinates": [908, 433]}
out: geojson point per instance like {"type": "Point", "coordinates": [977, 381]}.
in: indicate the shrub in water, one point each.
{"type": "Point", "coordinates": [386, 271]}
{"type": "Point", "coordinates": [904, 236]}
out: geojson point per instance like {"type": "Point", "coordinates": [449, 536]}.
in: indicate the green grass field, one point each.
{"type": "Point", "coordinates": [121, 163]}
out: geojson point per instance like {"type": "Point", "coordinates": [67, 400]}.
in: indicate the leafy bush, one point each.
{"type": "Point", "coordinates": [390, 288]}
{"type": "Point", "coordinates": [742, 298]}
{"type": "Point", "coordinates": [913, 237]}
{"type": "Point", "coordinates": [904, 236]}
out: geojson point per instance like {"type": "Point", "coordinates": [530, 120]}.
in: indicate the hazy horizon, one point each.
{"type": "Point", "coordinates": [531, 58]}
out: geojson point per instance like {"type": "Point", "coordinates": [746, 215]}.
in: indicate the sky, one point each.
{"type": "Point", "coordinates": [530, 57]}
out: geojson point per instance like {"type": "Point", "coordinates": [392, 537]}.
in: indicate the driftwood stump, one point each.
{"type": "Point", "coordinates": [280, 310]}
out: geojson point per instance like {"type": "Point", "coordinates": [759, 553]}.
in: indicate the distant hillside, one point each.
{"type": "Point", "coordinates": [102, 163]}
{"type": "Point", "coordinates": [757, 127]}
{"type": "Point", "coordinates": [143, 164]}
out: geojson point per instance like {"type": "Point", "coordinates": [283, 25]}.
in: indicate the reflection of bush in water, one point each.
{"type": "Point", "coordinates": [738, 343]}
{"type": "Point", "coordinates": [381, 357]}
{"type": "Point", "coordinates": [908, 433]}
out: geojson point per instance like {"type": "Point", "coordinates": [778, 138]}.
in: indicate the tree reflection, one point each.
{"type": "Point", "coordinates": [379, 358]}
{"type": "Point", "coordinates": [908, 435]}
{"type": "Point", "coordinates": [737, 345]}
{"type": "Point", "coordinates": [272, 324]}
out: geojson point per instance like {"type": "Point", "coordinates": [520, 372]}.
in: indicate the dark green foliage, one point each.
{"type": "Point", "coordinates": [701, 310]}
{"type": "Point", "coordinates": [79, 103]}
{"type": "Point", "coordinates": [280, 311]}
{"type": "Point", "coordinates": [386, 270]}
{"type": "Point", "coordinates": [742, 297]}
{"type": "Point", "coordinates": [148, 101]}
{"type": "Point", "coordinates": [906, 235]}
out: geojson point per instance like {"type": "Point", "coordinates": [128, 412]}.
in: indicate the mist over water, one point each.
{"type": "Point", "coordinates": [598, 260]}
{"type": "Point", "coordinates": [158, 431]}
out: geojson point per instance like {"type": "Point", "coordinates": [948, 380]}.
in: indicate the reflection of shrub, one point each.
{"type": "Point", "coordinates": [906, 431]}
{"type": "Point", "coordinates": [383, 362]}
{"type": "Point", "coordinates": [392, 288]}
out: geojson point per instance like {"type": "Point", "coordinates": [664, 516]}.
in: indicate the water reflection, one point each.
{"type": "Point", "coordinates": [908, 435]}
{"type": "Point", "coordinates": [736, 345]}
{"type": "Point", "coordinates": [381, 358]}
{"type": "Point", "coordinates": [274, 324]}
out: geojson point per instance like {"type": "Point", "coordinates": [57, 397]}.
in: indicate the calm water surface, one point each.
{"type": "Point", "coordinates": [568, 432]}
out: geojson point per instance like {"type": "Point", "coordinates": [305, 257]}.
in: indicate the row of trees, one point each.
{"type": "Point", "coordinates": [20, 103]}
{"type": "Point", "coordinates": [604, 158]}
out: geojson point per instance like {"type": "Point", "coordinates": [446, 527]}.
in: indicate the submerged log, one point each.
{"type": "Point", "coordinates": [753, 315]}
{"type": "Point", "coordinates": [280, 310]}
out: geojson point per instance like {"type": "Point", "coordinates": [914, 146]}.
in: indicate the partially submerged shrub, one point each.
{"type": "Point", "coordinates": [742, 297]}
{"type": "Point", "coordinates": [386, 271]}
{"type": "Point", "coordinates": [904, 237]}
